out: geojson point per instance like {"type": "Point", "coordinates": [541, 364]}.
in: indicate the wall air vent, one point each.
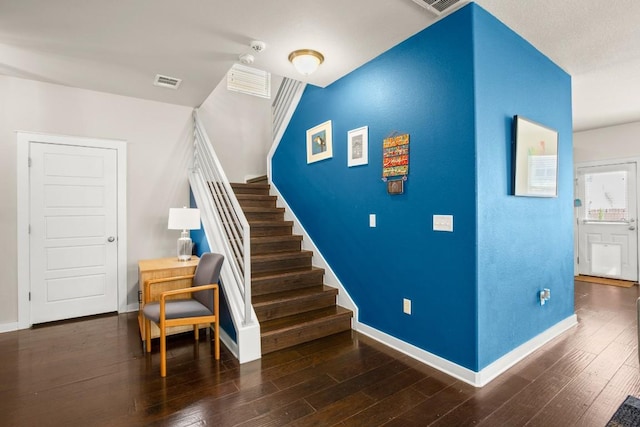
{"type": "Point", "coordinates": [437, 7]}
{"type": "Point", "coordinates": [166, 81]}
{"type": "Point", "coordinates": [251, 81]}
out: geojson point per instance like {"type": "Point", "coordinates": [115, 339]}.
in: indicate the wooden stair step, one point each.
{"type": "Point", "coordinates": [270, 244]}
{"type": "Point", "coordinates": [240, 188]}
{"type": "Point", "coordinates": [256, 200]}
{"type": "Point", "coordinates": [263, 179]}
{"type": "Point", "coordinates": [270, 228]}
{"type": "Point", "coordinates": [280, 261]}
{"type": "Point", "coordinates": [287, 303]}
{"type": "Point", "coordinates": [263, 214]}
{"type": "Point", "coordinates": [299, 328]}
{"type": "Point", "coordinates": [267, 283]}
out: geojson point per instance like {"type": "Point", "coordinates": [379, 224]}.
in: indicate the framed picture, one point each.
{"type": "Point", "coordinates": [535, 159]}
{"type": "Point", "coordinates": [358, 146]}
{"type": "Point", "coordinates": [319, 142]}
{"type": "Point", "coordinates": [395, 186]}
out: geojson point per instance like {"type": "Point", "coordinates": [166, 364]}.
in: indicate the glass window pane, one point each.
{"type": "Point", "coordinates": [606, 196]}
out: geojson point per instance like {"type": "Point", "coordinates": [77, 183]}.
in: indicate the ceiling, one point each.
{"type": "Point", "coordinates": [119, 46]}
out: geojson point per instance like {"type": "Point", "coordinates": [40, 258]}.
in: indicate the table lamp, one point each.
{"type": "Point", "coordinates": [184, 219]}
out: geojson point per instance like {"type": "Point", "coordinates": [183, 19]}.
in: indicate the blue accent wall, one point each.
{"type": "Point", "coordinates": [444, 87]}
{"type": "Point", "coordinates": [525, 244]}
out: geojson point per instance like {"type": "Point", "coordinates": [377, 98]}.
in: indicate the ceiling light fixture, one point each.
{"type": "Point", "coordinates": [306, 61]}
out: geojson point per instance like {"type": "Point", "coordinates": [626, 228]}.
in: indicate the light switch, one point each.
{"type": "Point", "coordinates": [406, 306]}
{"type": "Point", "coordinates": [372, 220]}
{"type": "Point", "coordinates": [443, 222]}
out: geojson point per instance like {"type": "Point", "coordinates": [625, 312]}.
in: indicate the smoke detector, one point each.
{"type": "Point", "coordinates": [246, 58]}
{"type": "Point", "coordinates": [258, 46]}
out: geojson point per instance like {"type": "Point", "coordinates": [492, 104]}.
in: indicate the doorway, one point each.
{"type": "Point", "coordinates": [71, 227]}
{"type": "Point", "coordinates": [606, 220]}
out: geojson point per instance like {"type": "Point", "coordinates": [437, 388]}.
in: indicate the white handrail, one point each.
{"type": "Point", "coordinates": [222, 205]}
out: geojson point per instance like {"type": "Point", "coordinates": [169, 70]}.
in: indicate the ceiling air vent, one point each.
{"type": "Point", "coordinates": [438, 7]}
{"type": "Point", "coordinates": [166, 81]}
{"type": "Point", "coordinates": [251, 81]}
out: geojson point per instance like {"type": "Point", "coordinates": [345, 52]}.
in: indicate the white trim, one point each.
{"type": "Point", "coordinates": [517, 354]}
{"type": "Point", "coordinates": [8, 327]}
{"type": "Point", "coordinates": [486, 375]}
{"type": "Point", "coordinates": [22, 175]}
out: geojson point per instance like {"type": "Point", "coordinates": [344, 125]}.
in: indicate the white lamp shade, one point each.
{"type": "Point", "coordinates": [306, 64]}
{"type": "Point", "coordinates": [184, 219]}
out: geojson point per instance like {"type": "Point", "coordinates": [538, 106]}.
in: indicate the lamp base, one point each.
{"type": "Point", "coordinates": [185, 246]}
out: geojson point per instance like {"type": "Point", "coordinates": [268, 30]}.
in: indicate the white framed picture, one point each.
{"type": "Point", "coordinates": [358, 146]}
{"type": "Point", "coordinates": [319, 142]}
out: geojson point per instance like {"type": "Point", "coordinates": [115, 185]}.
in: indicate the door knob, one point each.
{"type": "Point", "coordinates": [632, 228]}
{"type": "Point", "coordinates": [111, 239]}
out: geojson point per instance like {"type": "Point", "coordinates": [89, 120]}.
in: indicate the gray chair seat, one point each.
{"type": "Point", "coordinates": [175, 309]}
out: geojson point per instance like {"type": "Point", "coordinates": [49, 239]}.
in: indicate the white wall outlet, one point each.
{"type": "Point", "coordinates": [406, 306]}
{"type": "Point", "coordinates": [372, 220]}
{"type": "Point", "coordinates": [443, 223]}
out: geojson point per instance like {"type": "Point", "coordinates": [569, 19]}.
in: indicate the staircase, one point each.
{"type": "Point", "coordinates": [288, 295]}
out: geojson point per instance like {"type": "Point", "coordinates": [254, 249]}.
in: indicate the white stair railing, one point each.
{"type": "Point", "coordinates": [231, 231]}
{"type": "Point", "coordinates": [284, 105]}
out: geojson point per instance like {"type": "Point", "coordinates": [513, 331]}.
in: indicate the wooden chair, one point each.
{"type": "Point", "coordinates": [199, 306]}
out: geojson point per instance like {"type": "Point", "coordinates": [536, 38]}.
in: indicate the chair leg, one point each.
{"type": "Point", "coordinates": [147, 334]}
{"type": "Point", "coordinates": [196, 332]}
{"type": "Point", "coordinates": [216, 312]}
{"type": "Point", "coordinates": [163, 351]}
{"type": "Point", "coordinates": [217, 339]}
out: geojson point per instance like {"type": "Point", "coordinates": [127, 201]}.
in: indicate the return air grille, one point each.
{"type": "Point", "coordinates": [166, 81]}
{"type": "Point", "coordinates": [437, 6]}
{"type": "Point", "coordinates": [249, 80]}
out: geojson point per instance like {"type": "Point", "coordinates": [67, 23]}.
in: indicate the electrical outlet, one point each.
{"type": "Point", "coordinates": [372, 220]}
{"type": "Point", "coordinates": [406, 306]}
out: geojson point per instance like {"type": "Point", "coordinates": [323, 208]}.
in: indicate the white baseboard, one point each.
{"type": "Point", "coordinates": [8, 327]}
{"type": "Point", "coordinates": [476, 379]}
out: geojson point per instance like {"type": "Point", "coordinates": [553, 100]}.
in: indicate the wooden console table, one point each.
{"type": "Point", "coordinates": [158, 269]}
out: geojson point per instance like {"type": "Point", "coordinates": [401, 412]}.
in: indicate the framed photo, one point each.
{"type": "Point", "coordinates": [535, 159]}
{"type": "Point", "coordinates": [358, 146]}
{"type": "Point", "coordinates": [319, 142]}
{"type": "Point", "coordinates": [395, 186]}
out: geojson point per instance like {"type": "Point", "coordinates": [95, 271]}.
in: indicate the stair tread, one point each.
{"type": "Point", "coordinates": [273, 275]}
{"type": "Point", "coordinates": [281, 255]}
{"type": "Point", "coordinates": [284, 296]}
{"type": "Point", "coordinates": [250, 185]}
{"type": "Point", "coordinates": [279, 238]}
{"type": "Point", "coordinates": [249, 196]}
{"type": "Point", "coordinates": [278, 223]}
{"type": "Point", "coordinates": [270, 327]}
{"type": "Point", "coordinates": [259, 209]}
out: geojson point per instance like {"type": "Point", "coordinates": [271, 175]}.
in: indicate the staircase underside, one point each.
{"type": "Point", "coordinates": [289, 296]}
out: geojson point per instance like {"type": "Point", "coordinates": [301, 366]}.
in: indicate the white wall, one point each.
{"type": "Point", "coordinates": [159, 147]}
{"type": "Point", "coordinates": [239, 127]}
{"type": "Point", "coordinates": [614, 142]}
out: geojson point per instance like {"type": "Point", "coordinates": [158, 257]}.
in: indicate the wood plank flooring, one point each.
{"type": "Point", "coordinates": [93, 372]}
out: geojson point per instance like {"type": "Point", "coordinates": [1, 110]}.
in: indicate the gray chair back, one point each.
{"type": "Point", "coordinates": [207, 272]}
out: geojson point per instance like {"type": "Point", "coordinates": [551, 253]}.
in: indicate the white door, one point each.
{"type": "Point", "coordinates": [73, 223]}
{"type": "Point", "coordinates": [607, 221]}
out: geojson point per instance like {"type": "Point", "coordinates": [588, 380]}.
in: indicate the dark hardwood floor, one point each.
{"type": "Point", "coordinates": [93, 372]}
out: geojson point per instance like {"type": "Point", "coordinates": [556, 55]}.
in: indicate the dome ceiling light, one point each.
{"type": "Point", "coordinates": [306, 61]}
